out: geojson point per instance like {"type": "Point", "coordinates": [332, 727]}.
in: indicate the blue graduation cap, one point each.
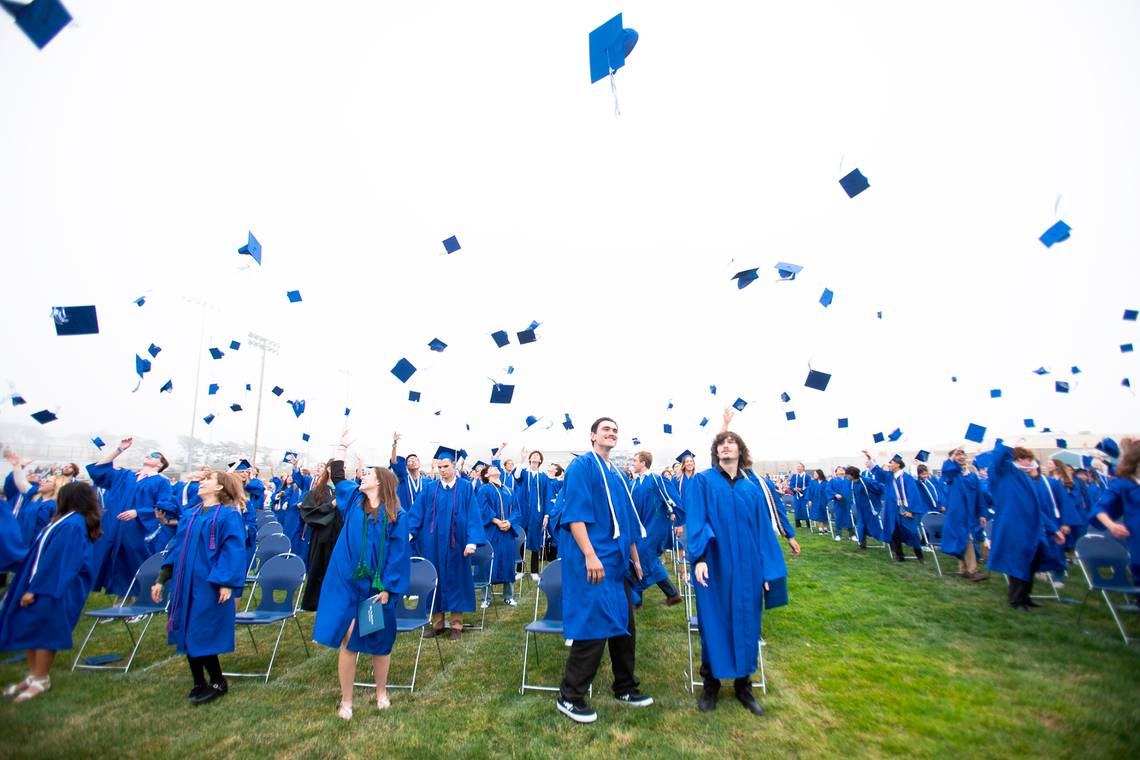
{"type": "Point", "coordinates": [788, 271]}
{"type": "Point", "coordinates": [403, 370]}
{"type": "Point", "coordinates": [609, 46]}
{"type": "Point", "coordinates": [842, 422]}
{"type": "Point", "coordinates": [208, 419]}
{"type": "Point", "coordinates": [1126, 383]}
{"type": "Point", "coordinates": [249, 386]}
{"type": "Point", "coordinates": [99, 443]}
{"type": "Point", "coordinates": [347, 411]}
{"type": "Point", "coordinates": [668, 428]}
{"type": "Point", "coordinates": [40, 20]}
{"type": "Point", "coordinates": [142, 366]}
{"type": "Point", "coordinates": [510, 370]}
{"type": "Point", "coordinates": [894, 435]}
{"type": "Point", "coordinates": [1061, 386]}
{"type": "Point", "coordinates": [567, 422]}
{"type": "Point", "coordinates": [745, 278]}
{"type": "Point", "coordinates": [1055, 234]}
{"type": "Point", "coordinates": [817, 380]}
{"type": "Point", "coordinates": [1041, 371]}
{"type": "Point", "coordinates": [878, 315]}
{"type": "Point", "coordinates": [235, 407]}
{"type": "Point", "coordinates": [785, 397]}
{"type": "Point", "coordinates": [1046, 430]}
{"type": "Point", "coordinates": [712, 389]}
{"type": "Point", "coordinates": [704, 421]}
{"type": "Point", "coordinates": [501, 338]}
{"type": "Point", "coordinates": [1062, 443]}
{"type": "Point", "coordinates": [527, 336]}
{"type": "Point", "coordinates": [1029, 423]}
{"type": "Point", "coordinates": [923, 455]}
{"type": "Point", "coordinates": [243, 464]}
{"type": "Point", "coordinates": [739, 404]}
{"type": "Point", "coordinates": [790, 415]}
{"type": "Point", "coordinates": [995, 393]}
{"type": "Point", "coordinates": [530, 420]}
{"type": "Point", "coordinates": [305, 437]}
{"type": "Point", "coordinates": [277, 390]}
{"type": "Point", "coordinates": [234, 345]}
{"type": "Point", "coordinates": [975, 433]}
{"type": "Point", "coordinates": [437, 345]}
{"type": "Point", "coordinates": [681, 457]}
{"type": "Point", "coordinates": [451, 245]}
{"type": "Point", "coordinates": [139, 301]}
{"type": "Point", "coordinates": [17, 399]}
{"type": "Point", "coordinates": [636, 441]}
{"type": "Point", "coordinates": [438, 412]}
{"type": "Point", "coordinates": [670, 405]}
{"type": "Point", "coordinates": [478, 464]}
{"type": "Point", "coordinates": [953, 378]}
{"type": "Point", "coordinates": [44, 417]}
{"type": "Point", "coordinates": [287, 455]}
{"type": "Point", "coordinates": [252, 248]}
{"type": "Point", "coordinates": [878, 438]}
{"type": "Point", "coordinates": [298, 407]}
{"type": "Point", "coordinates": [897, 458]}
{"type": "Point", "coordinates": [854, 183]}
{"type": "Point", "coordinates": [294, 296]}
{"type": "Point", "coordinates": [1125, 348]}
{"type": "Point", "coordinates": [444, 452]}
{"type": "Point", "coordinates": [153, 350]}
{"type": "Point", "coordinates": [1130, 315]}
{"type": "Point", "coordinates": [413, 395]}
{"type": "Point", "coordinates": [216, 353]}
{"type": "Point", "coordinates": [825, 299]}
{"type": "Point", "coordinates": [1075, 370]}
{"type": "Point", "coordinates": [212, 389]}
{"type": "Point", "coordinates": [502, 394]}
{"type": "Point", "coordinates": [167, 387]}
{"type": "Point", "coordinates": [75, 320]}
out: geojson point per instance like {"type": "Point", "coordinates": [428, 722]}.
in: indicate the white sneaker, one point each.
{"type": "Point", "coordinates": [484, 604]}
{"type": "Point", "coordinates": [534, 577]}
{"type": "Point", "coordinates": [838, 538]}
{"type": "Point", "coordinates": [511, 602]}
{"type": "Point", "coordinates": [518, 576]}
{"type": "Point", "coordinates": [856, 540]}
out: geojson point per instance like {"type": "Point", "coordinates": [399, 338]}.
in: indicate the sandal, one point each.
{"type": "Point", "coordinates": [13, 689]}
{"type": "Point", "coordinates": [344, 712]}
{"type": "Point", "coordinates": [35, 687]}
{"type": "Point", "coordinates": [383, 703]}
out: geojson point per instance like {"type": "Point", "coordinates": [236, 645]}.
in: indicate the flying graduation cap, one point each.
{"type": "Point", "coordinates": [501, 338]}
{"type": "Point", "coordinates": [826, 298]}
{"type": "Point", "coordinates": [790, 415]}
{"type": "Point", "coordinates": [413, 395]}
{"type": "Point", "coordinates": [252, 248]}
{"type": "Point", "coordinates": [788, 271]}
{"type": "Point", "coordinates": [212, 389]}
{"type": "Point", "coordinates": [234, 345]}
{"type": "Point", "coordinates": [1055, 234]}
{"type": "Point", "coordinates": [995, 393]}
{"type": "Point", "coordinates": [277, 390]}
{"type": "Point", "coordinates": [294, 296]}
{"type": "Point", "coordinates": [451, 245]}
{"type": "Point", "coordinates": [745, 278]}
{"type": "Point", "coordinates": [208, 419]}
{"type": "Point", "coordinates": [75, 320]}
{"type": "Point", "coordinates": [99, 442]}
{"type": "Point", "coordinates": [167, 387]}
{"type": "Point", "coordinates": [235, 407]}
{"type": "Point", "coordinates": [843, 422]}
{"type": "Point", "coordinates": [153, 350]}
{"type": "Point", "coordinates": [216, 353]}
{"type": "Point", "coordinates": [667, 428]}
{"type": "Point", "coordinates": [894, 435]}
{"type": "Point", "coordinates": [975, 433]}
{"type": "Point", "coordinates": [527, 336]}
{"type": "Point", "coordinates": [1130, 315]}
{"type": "Point", "coordinates": [40, 20]}
{"type": "Point", "coordinates": [142, 366]}
{"type": "Point", "coordinates": [44, 416]}
{"type": "Point", "coordinates": [1061, 386]}
{"type": "Point", "coordinates": [609, 46]}
{"type": "Point", "coordinates": [567, 422]}
{"type": "Point", "coordinates": [854, 183]}
{"type": "Point", "coordinates": [298, 407]}
{"type": "Point", "coordinates": [403, 370]}
{"type": "Point", "coordinates": [817, 380]}
{"type": "Point", "coordinates": [502, 394]}
{"type": "Point", "coordinates": [139, 301]}
{"type": "Point", "coordinates": [923, 455]}
{"type": "Point", "coordinates": [739, 404]}
{"type": "Point", "coordinates": [437, 345]}
{"type": "Point", "coordinates": [785, 397]}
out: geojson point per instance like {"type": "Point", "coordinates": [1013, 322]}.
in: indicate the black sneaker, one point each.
{"type": "Point", "coordinates": [707, 700]}
{"type": "Point", "coordinates": [635, 699]}
{"type": "Point", "coordinates": [208, 694]}
{"type": "Point", "coordinates": [579, 711]}
{"type": "Point", "coordinates": [749, 701]}
{"type": "Point", "coordinates": [197, 692]}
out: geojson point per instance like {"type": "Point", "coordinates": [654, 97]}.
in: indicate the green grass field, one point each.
{"type": "Point", "coordinates": [871, 659]}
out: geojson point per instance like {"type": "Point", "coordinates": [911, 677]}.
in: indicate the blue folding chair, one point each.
{"type": "Point", "coordinates": [481, 562]}
{"type": "Point", "coordinates": [550, 584]}
{"type": "Point", "coordinates": [270, 546]}
{"type": "Point", "coordinates": [284, 575]}
{"type": "Point", "coordinates": [141, 606]}
{"type": "Point", "coordinates": [265, 516]}
{"type": "Point", "coordinates": [268, 529]}
{"type": "Point", "coordinates": [1104, 563]}
{"type": "Point", "coordinates": [520, 561]}
{"type": "Point", "coordinates": [931, 526]}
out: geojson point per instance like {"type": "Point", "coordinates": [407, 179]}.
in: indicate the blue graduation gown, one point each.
{"type": "Point", "coordinates": [442, 522]}
{"type": "Point", "coordinates": [596, 610]}
{"type": "Point", "coordinates": [798, 482]}
{"type": "Point", "coordinates": [184, 496]}
{"type": "Point", "coordinates": [495, 502]}
{"type": "Point", "coordinates": [341, 592]}
{"type": "Point", "coordinates": [841, 503]}
{"type": "Point", "coordinates": [24, 508]}
{"type": "Point", "coordinates": [208, 553]}
{"type": "Point", "coordinates": [932, 497]}
{"type": "Point", "coordinates": [655, 501]}
{"type": "Point", "coordinates": [893, 506]}
{"type": "Point", "coordinates": [123, 546]}
{"type": "Point", "coordinates": [13, 547]}
{"type": "Point", "coordinates": [1121, 501]}
{"type": "Point", "coordinates": [777, 569]}
{"type": "Point", "coordinates": [532, 492]}
{"type": "Point", "coordinates": [965, 506]}
{"type": "Point", "coordinates": [866, 499]}
{"type": "Point", "coordinates": [58, 571]}
{"type": "Point", "coordinates": [409, 487]}
{"type": "Point", "coordinates": [1022, 533]}
{"type": "Point", "coordinates": [730, 529]}
{"type": "Point", "coordinates": [818, 494]}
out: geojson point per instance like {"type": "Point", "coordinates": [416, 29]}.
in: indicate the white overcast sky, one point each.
{"type": "Point", "coordinates": [138, 148]}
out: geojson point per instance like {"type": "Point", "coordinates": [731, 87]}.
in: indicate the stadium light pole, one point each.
{"type": "Point", "coordinates": [267, 346]}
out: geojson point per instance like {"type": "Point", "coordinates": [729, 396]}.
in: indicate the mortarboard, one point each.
{"type": "Point", "coordinates": [1109, 447]}
{"type": "Point", "coordinates": [1061, 386]}
{"type": "Point", "coordinates": [502, 394]}
{"type": "Point", "coordinates": [510, 370]}
{"type": "Point", "coordinates": [567, 422]}
{"type": "Point", "coordinates": [922, 456]}
{"type": "Point", "coordinates": [530, 420]}
{"type": "Point", "coordinates": [712, 389]}
{"type": "Point", "coordinates": [479, 463]}
{"type": "Point", "coordinates": [413, 395]}
{"type": "Point", "coordinates": [243, 464]}
{"type": "Point", "coordinates": [790, 415]}
{"type": "Point", "coordinates": [234, 345]}
{"type": "Point", "coordinates": [1055, 234]}
{"type": "Point", "coordinates": [451, 245]}
{"type": "Point", "coordinates": [1125, 348]}
{"type": "Point", "coordinates": [879, 314]}
{"type": "Point", "coordinates": [1046, 430]}
{"type": "Point", "coordinates": [788, 271]}
{"type": "Point", "coordinates": [854, 183]}
{"type": "Point", "coordinates": [898, 458]}
{"type": "Point", "coordinates": [953, 378]}
{"type": "Point", "coordinates": [249, 386]}
{"type": "Point", "coordinates": [142, 366]}
{"type": "Point", "coordinates": [99, 443]}
{"type": "Point", "coordinates": [1075, 370]}
{"type": "Point", "coordinates": [277, 390]}
{"type": "Point", "coordinates": [286, 457]}
{"type": "Point", "coordinates": [501, 338]}
{"type": "Point", "coordinates": [739, 404]}
{"type": "Point", "coordinates": [139, 301]}
{"type": "Point", "coordinates": [995, 393]}
{"type": "Point", "coordinates": [437, 345]}
{"type": "Point", "coordinates": [686, 453]}
{"type": "Point", "coordinates": [294, 296]}
{"type": "Point", "coordinates": [44, 417]}
{"type": "Point", "coordinates": [235, 407]}
{"type": "Point", "coordinates": [704, 421]}
{"type": "Point", "coordinates": [745, 278]}
{"type": "Point", "coordinates": [40, 20]}
{"type": "Point", "coordinates": [75, 320]}
{"type": "Point", "coordinates": [208, 419]}
{"type": "Point", "coordinates": [878, 438]}
{"type": "Point", "coordinates": [17, 399]}
{"type": "Point", "coordinates": [825, 299]}
{"type": "Point", "coordinates": [609, 45]}
{"type": "Point", "coordinates": [1126, 383]}
{"type": "Point", "coordinates": [1062, 443]}
{"type": "Point", "coordinates": [305, 437]}
{"type": "Point", "coordinates": [347, 411]}
{"type": "Point", "coordinates": [527, 336]}
{"type": "Point", "coordinates": [1130, 315]}
{"type": "Point", "coordinates": [817, 380]}
{"type": "Point", "coordinates": [894, 435]}
{"type": "Point", "coordinates": [212, 389]}
{"type": "Point", "coordinates": [252, 248]}
{"type": "Point", "coordinates": [636, 441]}
{"type": "Point", "coordinates": [785, 397]}
{"type": "Point", "coordinates": [975, 433]}
{"type": "Point", "coordinates": [216, 353]}
{"type": "Point", "coordinates": [298, 407]}
{"type": "Point", "coordinates": [670, 405]}
{"type": "Point", "coordinates": [437, 412]}
{"type": "Point", "coordinates": [153, 350]}
{"type": "Point", "coordinates": [403, 370]}
{"type": "Point", "coordinates": [1029, 423]}
{"type": "Point", "coordinates": [167, 386]}
{"type": "Point", "coordinates": [443, 452]}
{"type": "Point", "coordinates": [668, 428]}
{"type": "Point", "coordinates": [1041, 371]}
{"type": "Point", "coordinates": [842, 422]}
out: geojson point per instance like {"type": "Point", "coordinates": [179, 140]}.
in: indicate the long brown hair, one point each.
{"type": "Point", "coordinates": [1064, 473]}
{"type": "Point", "coordinates": [232, 490]}
{"type": "Point", "coordinates": [321, 487]}
{"type": "Point", "coordinates": [1129, 460]}
{"type": "Point", "coordinates": [80, 497]}
{"type": "Point", "coordinates": [386, 492]}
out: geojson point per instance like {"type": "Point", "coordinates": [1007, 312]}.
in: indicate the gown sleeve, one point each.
{"type": "Point", "coordinates": [102, 475]}
{"type": "Point", "coordinates": [229, 567]}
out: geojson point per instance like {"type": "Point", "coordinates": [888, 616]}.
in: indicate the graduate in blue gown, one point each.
{"type": "Point", "coordinates": [408, 473]}
{"type": "Point", "coordinates": [49, 588]}
{"type": "Point", "coordinates": [798, 485]}
{"type": "Point", "coordinates": [656, 502]}
{"type": "Point", "coordinates": [841, 504]}
{"type": "Point", "coordinates": [599, 533]}
{"type": "Point", "coordinates": [1118, 509]}
{"type": "Point", "coordinates": [928, 488]}
{"type": "Point", "coordinates": [1026, 537]}
{"type": "Point", "coordinates": [254, 501]}
{"type": "Point", "coordinates": [501, 524]}
{"type": "Point", "coordinates": [446, 526]}
{"type": "Point", "coordinates": [902, 506]}
{"type": "Point", "coordinates": [23, 493]}
{"type": "Point", "coordinates": [867, 504]}
{"type": "Point", "coordinates": [733, 547]}
{"type": "Point", "coordinates": [371, 560]}
{"type": "Point", "coordinates": [686, 470]}
{"type": "Point", "coordinates": [965, 508]}
{"type": "Point", "coordinates": [129, 503]}
{"type": "Point", "coordinates": [287, 508]}
{"type": "Point", "coordinates": [532, 494]}
{"type": "Point", "coordinates": [818, 496]}
{"type": "Point", "coordinates": [206, 563]}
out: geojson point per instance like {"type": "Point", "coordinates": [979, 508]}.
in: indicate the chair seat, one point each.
{"type": "Point", "coordinates": [1118, 588]}
{"type": "Point", "coordinates": [254, 617]}
{"type": "Point", "coordinates": [403, 625]}
{"type": "Point", "coordinates": [545, 626]}
{"type": "Point", "coordinates": [129, 611]}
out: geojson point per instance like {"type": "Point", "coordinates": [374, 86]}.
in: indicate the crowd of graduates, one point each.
{"type": "Point", "coordinates": [357, 527]}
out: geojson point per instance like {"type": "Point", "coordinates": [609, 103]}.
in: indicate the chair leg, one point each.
{"type": "Point", "coordinates": [690, 675]}
{"type": "Point", "coordinates": [273, 654]}
{"type": "Point", "coordinates": [1115, 616]}
{"type": "Point", "coordinates": [79, 654]}
{"type": "Point", "coordinates": [301, 633]}
{"type": "Point", "coordinates": [937, 564]}
{"type": "Point", "coordinates": [249, 628]}
{"type": "Point", "coordinates": [129, 631]}
{"type": "Point", "coordinates": [763, 676]}
{"type": "Point", "coordinates": [526, 653]}
{"type": "Point", "coordinates": [138, 643]}
{"type": "Point", "coordinates": [416, 664]}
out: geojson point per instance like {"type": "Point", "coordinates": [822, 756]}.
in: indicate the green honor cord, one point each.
{"type": "Point", "coordinates": [361, 570]}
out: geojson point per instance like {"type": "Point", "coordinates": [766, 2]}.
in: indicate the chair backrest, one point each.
{"type": "Point", "coordinates": [481, 564]}
{"type": "Point", "coordinates": [520, 542]}
{"type": "Point", "coordinates": [271, 546]}
{"type": "Point", "coordinates": [144, 578]}
{"type": "Point", "coordinates": [268, 529]}
{"type": "Point", "coordinates": [550, 583]}
{"type": "Point", "coordinates": [285, 572]}
{"type": "Point", "coordinates": [1099, 554]}
{"type": "Point", "coordinates": [265, 517]}
{"type": "Point", "coordinates": [421, 584]}
{"type": "Point", "coordinates": [932, 523]}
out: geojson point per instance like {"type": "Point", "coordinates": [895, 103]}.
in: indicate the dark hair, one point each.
{"type": "Point", "coordinates": [645, 457]}
{"type": "Point", "coordinates": [165, 463]}
{"type": "Point", "coordinates": [541, 458]}
{"type": "Point", "coordinates": [745, 456]}
{"type": "Point", "coordinates": [1129, 459]}
{"type": "Point", "coordinates": [599, 421]}
{"type": "Point", "coordinates": [558, 469]}
{"type": "Point", "coordinates": [852, 471]}
{"type": "Point", "coordinates": [483, 475]}
{"type": "Point", "coordinates": [820, 476]}
{"type": "Point", "coordinates": [321, 487]}
{"type": "Point", "coordinates": [922, 468]}
{"type": "Point", "coordinates": [1020, 452]}
{"type": "Point", "coordinates": [80, 497]}
{"type": "Point", "coordinates": [1064, 473]}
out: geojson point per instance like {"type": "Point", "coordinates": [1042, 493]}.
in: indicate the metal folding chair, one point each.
{"type": "Point", "coordinates": [550, 586]}
{"type": "Point", "coordinates": [140, 606]}
{"type": "Point", "coordinates": [284, 574]}
{"type": "Point", "coordinates": [271, 546]}
{"type": "Point", "coordinates": [265, 516]}
{"type": "Point", "coordinates": [1105, 563]}
{"type": "Point", "coordinates": [481, 563]}
{"type": "Point", "coordinates": [265, 530]}
{"type": "Point", "coordinates": [931, 526]}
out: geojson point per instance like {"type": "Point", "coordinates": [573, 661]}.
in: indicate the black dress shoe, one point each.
{"type": "Point", "coordinates": [707, 700]}
{"type": "Point", "coordinates": [209, 694]}
{"type": "Point", "coordinates": [749, 701]}
{"type": "Point", "coordinates": [1030, 603]}
{"type": "Point", "coordinates": [197, 691]}
{"type": "Point", "coordinates": [431, 633]}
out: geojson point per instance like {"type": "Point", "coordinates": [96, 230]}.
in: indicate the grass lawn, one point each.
{"type": "Point", "coordinates": [871, 658]}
